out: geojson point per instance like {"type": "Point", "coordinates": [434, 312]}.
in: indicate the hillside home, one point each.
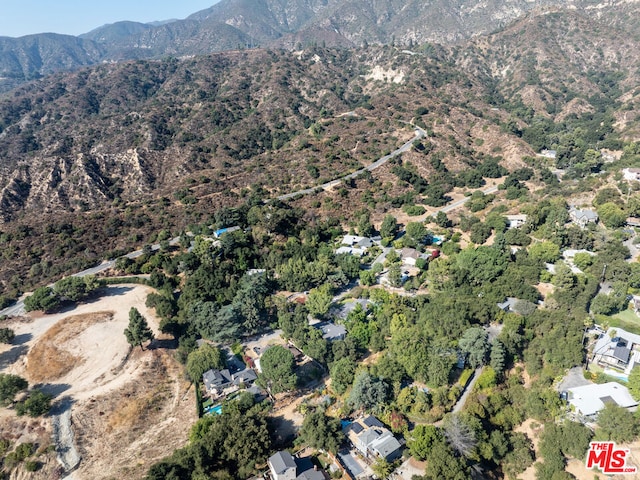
{"type": "Point", "coordinates": [583, 217]}
{"type": "Point", "coordinates": [516, 221]}
{"type": "Point", "coordinates": [618, 349]}
{"type": "Point", "coordinates": [589, 400]}
{"type": "Point", "coordinates": [331, 332]}
{"type": "Point", "coordinates": [548, 154]}
{"type": "Point", "coordinates": [631, 174]}
{"type": "Point", "coordinates": [355, 245]}
{"type": "Point", "coordinates": [222, 382]}
{"type": "Point", "coordinates": [283, 466]}
{"type": "Point", "coordinates": [370, 437]}
{"type": "Point", "coordinates": [633, 222]}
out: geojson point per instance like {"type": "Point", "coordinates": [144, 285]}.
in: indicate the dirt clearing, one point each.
{"type": "Point", "coordinates": [118, 409]}
{"type": "Point", "coordinates": [51, 358]}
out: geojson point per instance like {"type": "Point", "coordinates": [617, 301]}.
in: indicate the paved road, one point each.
{"type": "Point", "coordinates": [18, 309]}
{"type": "Point", "coordinates": [420, 133]}
{"type": "Point", "coordinates": [467, 391]}
{"type": "Point", "coordinates": [458, 203]}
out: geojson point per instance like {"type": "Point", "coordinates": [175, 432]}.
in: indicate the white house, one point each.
{"type": "Point", "coordinates": [631, 174]}
{"type": "Point", "coordinates": [516, 221]}
{"type": "Point", "coordinates": [373, 440]}
{"type": "Point", "coordinates": [588, 400]}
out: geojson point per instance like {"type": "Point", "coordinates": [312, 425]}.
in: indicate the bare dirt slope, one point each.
{"type": "Point", "coordinates": [117, 409]}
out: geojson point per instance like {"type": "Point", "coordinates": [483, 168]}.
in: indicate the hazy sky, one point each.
{"type": "Point", "coordinates": [23, 17]}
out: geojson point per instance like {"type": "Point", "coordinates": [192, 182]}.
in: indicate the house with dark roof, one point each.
{"type": "Point", "coordinates": [222, 382]}
{"type": "Point", "coordinates": [284, 466]}
{"type": "Point", "coordinates": [371, 438]}
{"type": "Point", "coordinates": [617, 349]}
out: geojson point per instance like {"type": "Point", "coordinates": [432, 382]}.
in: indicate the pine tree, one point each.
{"type": "Point", "coordinates": [138, 330]}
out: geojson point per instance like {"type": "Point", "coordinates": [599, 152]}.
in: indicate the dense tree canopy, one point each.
{"type": "Point", "coordinates": [277, 364]}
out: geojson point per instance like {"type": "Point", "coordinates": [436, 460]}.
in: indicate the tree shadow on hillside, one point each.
{"type": "Point", "coordinates": [22, 338]}
{"type": "Point", "coordinates": [11, 356]}
{"type": "Point", "coordinates": [53, 389]}
{"type": "Point", "coordinates": [283, 431]}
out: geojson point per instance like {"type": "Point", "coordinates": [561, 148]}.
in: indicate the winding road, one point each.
{"type": "Point", "coordinates": [18, 309]}
{"type": "Point", "coordinates": [420, 133]}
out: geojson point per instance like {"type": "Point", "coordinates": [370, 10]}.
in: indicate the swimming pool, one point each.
{"type": "Point", "coordinates": [217, 409]}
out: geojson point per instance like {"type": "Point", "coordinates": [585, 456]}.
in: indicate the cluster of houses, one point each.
{"type": "Point", "coordinates": [617, 352]}
{"type": "Point", "coordinates": [368, 437]}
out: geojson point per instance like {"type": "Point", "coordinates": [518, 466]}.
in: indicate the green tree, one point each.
{"type": "Point", "coordinates": [319, 300]}
{"type": "Point", "coordinates": [36, 405]}
{"type": "Point", "coordinates": [7, 335]}
{"type": "Point", "coordinates": [634, 383]}
{"type": "Point", "coordinates": [368, 277]}
{"type": "Point", "coordinates": [368, 393]}
{"type": "Point", "coordinates": [617, 424]}
{"type": "Point", "coordinates": [277, 364]}
{"type": "Point", "coordinates": [416, 231]}
{"type": "Point", "coordinates": [382, 468]}
{"type": "Point", "coordinates": [138, 330]}
{"type": "Point", "coordinates": [544, 251]}
{"type": "Point", "coordinates": [474, 343]}
{"type": "Point", "coordinates": [342, 372]}
{"type": "Point", "coordinates": [321, 432]}
{"type": "Point", "coordinates": [389, 227]}
{"type": "Point", "coordinates": [43, 298]}
{"type": "Point", "coordinates": [442, 220]}
{"type": "Point", "coordinates": [497, 357]}
{"type": "Point", "coordinates": [422, 440]}
{"type": "Point", "coordinates": [520, 457]}
{"type": "Point", "coordinates": [10, 385]}
{"type": "Point", "coordinates": [395, 275]}
{"type": "Point", "coordinates": [75, 288]}
{"type": "Point", "coordinates": [612, 215]}
{"type": "Point", "coordinates": [204, 358]}
{"type": "Point", "coordinates": [443, 464]}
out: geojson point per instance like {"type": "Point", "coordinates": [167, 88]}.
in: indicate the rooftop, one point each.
{"type": "Point", "coordinates": [590, 399]}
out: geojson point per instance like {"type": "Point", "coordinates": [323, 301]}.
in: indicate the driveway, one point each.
{"type": "Point", "coordinates": [573, 378]}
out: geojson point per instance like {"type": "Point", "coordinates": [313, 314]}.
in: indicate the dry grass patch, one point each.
{"type": "Point", "coordinates": [49, 360]}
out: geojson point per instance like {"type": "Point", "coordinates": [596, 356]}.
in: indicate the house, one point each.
{"type": "Point", "coordinates": [631, 174]}
{"type": "Point", "coordinates": [548, 154]}
{"type": "Point", "coordinates": [221, 231]}
{"type": "Point", "coordinates": [345, 309]}
{"type": "Point", "coordinates": [215, 381]}
{"type": "Point", "coordinates": [508, 305]}
{"type": "Point", "coordinates": [358, 242]}
{"type": "Point", "coordinates": [222, 382]}
{"type": "Point", "coordinates": [370, 437]}
{"type": "Point", "coordinates": [354, 245]}
{"type": "Point", "coordinates": [331, 332]}
{"type": "Point", "coordinates": [588, 400]}
{"type": "Point", "coordinates": [582, 217]}
{"type": "Point", "coordinates": [410, 256]}
{"type": "Point", "coordinates": [283, 466]}
{"type": "Point", "coordinates": [570, 254]}
{"type": "Point", "coordinates": [516, 221]}
{"type": "Point", "coordinates": [618, 349]}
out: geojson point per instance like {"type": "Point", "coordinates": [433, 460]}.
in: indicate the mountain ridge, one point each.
{"type": "Point", "coordinates": [233, 24]}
